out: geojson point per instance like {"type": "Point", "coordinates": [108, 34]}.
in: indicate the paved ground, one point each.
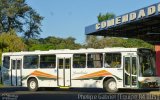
{"type": "Point", "coordinates": [14, 93]}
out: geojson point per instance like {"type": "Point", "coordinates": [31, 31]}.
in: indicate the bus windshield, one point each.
{"type": "Point", "coordinates": [147, 63]}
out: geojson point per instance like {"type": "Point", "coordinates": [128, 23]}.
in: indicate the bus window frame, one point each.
{"type": "Point", "coordinates": [8, 61]}
{"type": "Point", "coordinates": [38, 64]}
{"type": "Point", "coordinates": [85, 61]}
{"type": "Point", "coordinates": [121, 60]}
{"type": "Point", "coordinates": [96, 60]}
{"type": "Point", "coordinates": [47, 55]}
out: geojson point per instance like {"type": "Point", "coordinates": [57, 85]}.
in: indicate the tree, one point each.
{"type": "Point", "coordinates": [92, 41]}
{"type": "Point", "coordinates": [10, 42]}
{"type": "Point", "coordinates": [17, 15]}
{"type": "Point", "coordinates": [136, 43]}
{"type": "Point", "coordinates": [52, 43]}
{"type": "Point", "coordinates": [96, 41]}
{"type": "Point", "coordinates": [33, 21]}
{"type": "Point", "coordinates": [103, 17]}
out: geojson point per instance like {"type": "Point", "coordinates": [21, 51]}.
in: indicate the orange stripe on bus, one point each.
{"type": "Point", "coordinates": [42, 74]}
{"type": "Point", "coordinates": [38, 74]}
{"type": "Point", "coordinates": [99, 75]}
{"type": "Point", "coordinates": [95, 74]}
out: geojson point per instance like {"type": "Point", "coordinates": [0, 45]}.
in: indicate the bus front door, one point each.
{"type": "Point", "coordinates": [16, 71]}
{"type": "Point", "coordinates": [64, 71]}
{"type": "Point", "coordinates": [130, 71]}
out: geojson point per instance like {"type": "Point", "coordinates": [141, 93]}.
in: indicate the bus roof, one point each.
{"type": "Point", "coordinates": [68, 51]}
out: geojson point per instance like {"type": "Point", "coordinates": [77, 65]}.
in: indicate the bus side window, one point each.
{"type": "Point", "coordinates": [112, 60]}
{"type": "Point", "coordinates": [31, 62]}
{"type": "Point", "coordinates": [6, 62]}
{"type": "Point", "coordinates": [79, 60]}
{"type": "Point", "coordinates": [95, 60]}
{"type": "Point", "coordinates": [47, 61]}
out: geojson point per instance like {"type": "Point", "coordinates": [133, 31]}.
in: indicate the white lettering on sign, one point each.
{"type": "Point", "coordinates": [159, 8]}
{"type": "Point", "coordinates": [110, 22]}
{"type": "Point", "coordinates": [132, 16]}
{"type": "Point", "coordinates": [148, 11]}
{"type": "Point", "coordinates": [103, 24]}
{"type": "Point", "coordinates": [118, 20]}
{"type": "Point", "coordinates": [98, 26]}
{"type": "Point", "coordinates": [125, 18]}
{"type": "Point", "coordinates": [141, 13]}
{"type": "Point", "coordinates": [151, 10]}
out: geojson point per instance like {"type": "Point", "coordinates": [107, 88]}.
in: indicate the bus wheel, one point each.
{"type": "Point", "coordinates": [32, 84]}
{"type": "Point", "coordinates": [110, 85]}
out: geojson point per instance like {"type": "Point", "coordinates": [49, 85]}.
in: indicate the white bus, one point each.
{"type": "Point", "coordinates": [108, 68]}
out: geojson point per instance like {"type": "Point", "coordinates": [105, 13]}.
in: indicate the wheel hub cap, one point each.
{"type": "Point", "coordinates": [33, 85]}
{"type": "Point", "coordinates": [112, 85]}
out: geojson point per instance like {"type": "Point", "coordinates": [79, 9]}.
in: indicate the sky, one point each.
{"type": "Point", "coordinates": [68, 18]}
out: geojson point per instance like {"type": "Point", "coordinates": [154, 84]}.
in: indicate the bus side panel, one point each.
{"type": "Point", "coordinates": [45, 77]}
{"type": "Point", "coordinates": [117, 74]}
{"type": "Point", "coordinates": [48, 77]}
{"type": "Point", "coordinates": [6, 79]}
{"type": "Point", "coordinates": [84, 77]}
{"type": "Point", "coordinates": [93, 77]}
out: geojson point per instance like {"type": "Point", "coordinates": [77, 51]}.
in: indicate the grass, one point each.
{"type": "Point", "coordinates": [1, 85]}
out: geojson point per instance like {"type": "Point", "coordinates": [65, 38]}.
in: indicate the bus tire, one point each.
{"type": "Point", "coordinates": [110, 85]}
{"type": "Point", "coordinates": [32, 84]}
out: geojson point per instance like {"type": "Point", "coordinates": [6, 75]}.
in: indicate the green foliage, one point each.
{"type": "Point", "coordinates": [1, 85]}
{"type": "Point", "coordinates": [94, 41]}
{"type": "Point", "coordinates": [34, 23]}
{"type": "Point", "coordinates": [137, 43]}
{"type": "Point", "coordinates": [17, 15]}
{"type": "Point", "coordinates": [102, 42]}
{"type": "Point", "coordinates": [10, 42]}
{"type": "Point", "coordinates": [103, 17]}
{"type": "Point", "coordinates": [52, 43]}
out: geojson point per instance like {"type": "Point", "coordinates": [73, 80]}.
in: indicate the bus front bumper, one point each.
{"type": "Point", "coordinates": [149, 82]}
